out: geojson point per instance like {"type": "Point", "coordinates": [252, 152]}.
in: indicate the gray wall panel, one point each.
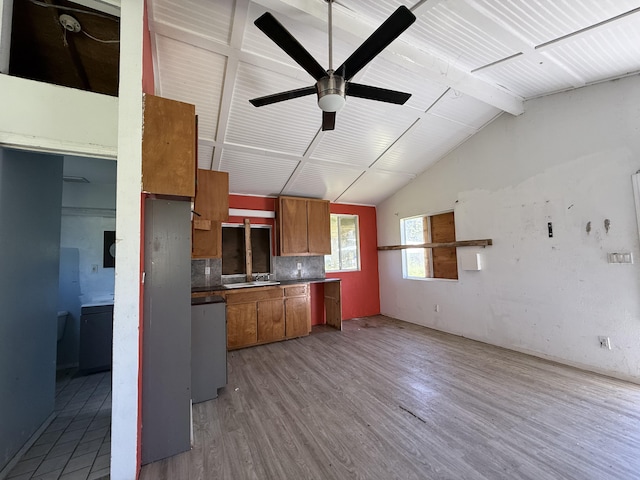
{"type": "Point", "coordinates": [166, 361]}
{"type": "Point", "coordinates": [30, 206]}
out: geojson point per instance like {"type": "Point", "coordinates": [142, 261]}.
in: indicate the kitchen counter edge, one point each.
{"type": "Point", "coordinates": [213, 288]}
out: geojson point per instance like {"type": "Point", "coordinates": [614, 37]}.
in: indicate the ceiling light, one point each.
{"type": "Point", "coordinates": [69, 23]}
{"type": "Point", "coordinates": [331, 102]}
{"type": "Point", "coordinates": [331, 93]}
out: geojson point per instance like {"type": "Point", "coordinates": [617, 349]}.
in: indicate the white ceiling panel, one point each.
{"type": "Point", "coordinates": [192, 75]}
{"type": "Point", "coordinates": [545, 20]}
{"type": "Point", "coordinates": [375, 11]}
{"type": "Point", "coordinates": [256, 174]}
{"type": "Point", "coordinates": [430, 139]}
{"type": "Point", "coordinates": [446, 33]}
{"type": "Point", "coordinates": [463, 61]}
{"type": "Point", "coordinates": [322, 180]}
{"type": "Point", "coordinates": [205, 153]}
{"type": "Point", "coordinates": [315, 41]}
{"type": "Point", "coordinates": [601, 53]}
{"type": "Point", "coordinates": [286, 127]}
{"type": "Point", "coordinates": [374, 186]}
{"type": "Point", "coordinates": [526, 77]}
{"type": "Point", "coordinates": [364, 129]}
{"type": "Point", "coordinates": [209, 19]}
{"type": "Point", "coordinates": [464, 109]}
{"type": "Point", "coordinates": [384, 74]}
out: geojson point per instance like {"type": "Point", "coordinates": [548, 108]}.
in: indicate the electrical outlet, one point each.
{"type": "Point", "coordinates": [436, 308]}
{"type": "Point", "coordinates": [207, 270]}
{"type": "Point", "coordinates": [94, 268]}
{"type": "Point", "coordinates": [605, 342]}
{"type": "Point", "coordinates": [299, 266]}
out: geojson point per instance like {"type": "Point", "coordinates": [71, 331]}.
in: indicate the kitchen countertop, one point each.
{"type": "Point", "coordinates": [207, 300]}
{"type": "Point", "coordinates": [212, 288]}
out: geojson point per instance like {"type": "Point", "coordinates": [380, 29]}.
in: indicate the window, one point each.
{"type": "Point", "coordinates": [345, 244]}
{"type": "Point", "coordinates": [438, 262]}
{"type": "Point", "coordinates": [234, 254]}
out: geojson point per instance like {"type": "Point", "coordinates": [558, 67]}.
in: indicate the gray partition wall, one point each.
{"type": "Point", "coordinates": [166, 351]}
{"type": "Point", "coordinates": [30, 206]}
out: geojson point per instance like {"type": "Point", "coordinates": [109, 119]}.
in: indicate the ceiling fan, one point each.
{"type": "Point", "coordinates": [333, 85]}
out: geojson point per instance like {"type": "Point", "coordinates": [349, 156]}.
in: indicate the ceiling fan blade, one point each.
{"type": "Point", "coordinates": [273, 29]}
{"type": "Point", "coordinates": [282, 96]}
{"type": "Point", "coordinates": [386, 33]}
{"type": "Point", "coordinates": [328, 120]}
{"type": "Point", "coordinates": [376, 93]}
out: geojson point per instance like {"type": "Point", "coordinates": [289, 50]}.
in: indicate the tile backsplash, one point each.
{"type": "Point", "coordinates": [284, 268]}
{"type": "Point", "coordinates": [198, 268]}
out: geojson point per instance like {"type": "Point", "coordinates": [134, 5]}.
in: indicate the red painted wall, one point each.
{"type": "Point", "coordinates": [360, 290]}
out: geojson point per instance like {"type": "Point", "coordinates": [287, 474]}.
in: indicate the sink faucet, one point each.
{"type": "Point", "coordinates": [262, 276]}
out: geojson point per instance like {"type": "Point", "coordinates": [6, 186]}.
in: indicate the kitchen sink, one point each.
{"type": "Point", "coordinates": [256, 283]}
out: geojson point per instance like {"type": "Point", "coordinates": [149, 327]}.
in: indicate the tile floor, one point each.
{"type": "Point", "coordinates": [77, 443]}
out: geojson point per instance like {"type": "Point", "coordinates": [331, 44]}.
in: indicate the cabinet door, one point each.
{"type": "Point", "coordinates": [318, 227]}
{"type": "Point", "coordinates": [168, 147]}
{"type": "Point", "coordinates": [212, 195]}
{"type": "Point", "coordinates": [270, 320]}
{"type": "Point", "coordinates": [297, 316]}
{"type": "Point", "coordinates": [207, 243]}
{"type": "Point", "coordinates": [332, 307]}
{"type": "Point", "coordinates": [212, 206]}
{"type": "Point", "coordinates": [293, 226]}
{"type": "Point", "coordinates": [241, 325]}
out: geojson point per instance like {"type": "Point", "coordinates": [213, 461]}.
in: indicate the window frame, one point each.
{"type": "Point", "coordinates": [358, 255]}
{"type": "Point", "coordinates": [429, 267]}
{"type": "Point", "coordinates": [241, 226]}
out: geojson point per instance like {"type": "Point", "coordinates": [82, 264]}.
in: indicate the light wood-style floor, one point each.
{"type": "Point", "coordinates": [387, 400]}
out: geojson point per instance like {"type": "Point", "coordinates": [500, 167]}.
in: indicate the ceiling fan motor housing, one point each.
{"type": "Point", "coordinates": [331, 92]}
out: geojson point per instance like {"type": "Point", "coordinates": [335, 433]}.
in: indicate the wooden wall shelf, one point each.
{"type": "Point", "coordinates": [463, 243]}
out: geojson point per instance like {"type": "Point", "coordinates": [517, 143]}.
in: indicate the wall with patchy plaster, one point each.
{"type": "Point", "coordinates": [568, 160]}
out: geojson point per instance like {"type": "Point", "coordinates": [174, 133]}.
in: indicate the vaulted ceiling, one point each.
{"type": "Point", "coordinates": [465, 62]}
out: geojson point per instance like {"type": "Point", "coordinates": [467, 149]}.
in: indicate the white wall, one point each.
{"type": "Point", "coordinates": [125, 370]}
{"type": "Point", "coordinates": [568, 160]}
{"type": "Point", "coordinates": [51, 118]}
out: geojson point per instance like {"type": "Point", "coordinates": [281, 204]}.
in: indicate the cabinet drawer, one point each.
{"type": "Point", "coordinates": [296, 290]}
{"type": "Point", "coordinates": [253, 295]}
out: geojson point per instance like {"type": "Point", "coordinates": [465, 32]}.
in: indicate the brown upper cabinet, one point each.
{"type": "Point", "coordinates": [211, 207]}
{"type": "Point", "coordinates": [303, 226]}
{"type": "Point", "coordinates": [168, 147]}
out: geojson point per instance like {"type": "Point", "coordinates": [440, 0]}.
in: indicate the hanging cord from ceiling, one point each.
{"type": "Point", "coordinates": [98, 39]}
{"type": "Point", "coordinates": [71, 24]}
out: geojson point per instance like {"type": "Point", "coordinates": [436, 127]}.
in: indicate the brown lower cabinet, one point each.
{"type": "Point", "coordinates": [266, 314]}
{"type": "Point", "coordinates": [271, 321]}
{"type": "Point", "coordinates": [269, 314]}
{"type": "Point", "coordinates": [242, 331]}
{"type": "Point", "coordinates": [297, 311]}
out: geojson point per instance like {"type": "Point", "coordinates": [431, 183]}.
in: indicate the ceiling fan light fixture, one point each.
{"type": "Point", "coordinates": [331, 102]}
{"type": "Point", "coordinates": [331, 93]}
